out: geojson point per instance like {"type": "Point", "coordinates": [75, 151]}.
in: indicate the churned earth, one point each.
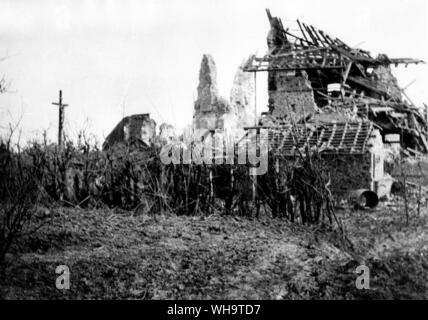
{"type": "Point", "coordinates": [115, 254]}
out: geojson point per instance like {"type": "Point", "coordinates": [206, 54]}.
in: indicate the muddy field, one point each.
{"type": "Point", "coordinates": [115, 254]}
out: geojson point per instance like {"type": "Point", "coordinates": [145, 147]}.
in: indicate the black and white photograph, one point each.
{"type": "Point", "coordinates": [199, 152]}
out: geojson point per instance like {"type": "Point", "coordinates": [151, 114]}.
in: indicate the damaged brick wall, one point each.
{"type": "Point", "coordinates": [291, 94]}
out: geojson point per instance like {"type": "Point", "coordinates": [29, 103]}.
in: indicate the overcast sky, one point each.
{"type": "Point", "coordinates": [125, 57]}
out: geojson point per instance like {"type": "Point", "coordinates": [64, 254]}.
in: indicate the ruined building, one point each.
{"type": "Point", "coordinates": [315, 77]}
{"type": "Point", "coordinates": [339, 100]}
{"type": "Point", "coordinates": [214, 112]}
{"type": "Point", "coordinates": [352, 152]}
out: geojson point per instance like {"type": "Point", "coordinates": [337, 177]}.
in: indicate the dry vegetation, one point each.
{"type": "Point", "coordinates": [133, 228]}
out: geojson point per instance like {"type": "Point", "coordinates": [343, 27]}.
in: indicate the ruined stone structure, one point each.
{"type": "Point", "coordinates": [213, 112]}
{"type": "Point", "coordinates": [137, 130]}
{"type": "Point", "coordinates": [242, 97]}
{"type": "Point", "coordinates": [210, 107]}
{"type": "Point", "coordinates": [312, 74]}
{"type": "Point", "coordinates": [291, 94]}
{"type": "Point", "coordinates": [337, 93]}
{"type": "Point", "coordinates": [167, 133]}
{"type": "Point", "coordinates": [351, 151]}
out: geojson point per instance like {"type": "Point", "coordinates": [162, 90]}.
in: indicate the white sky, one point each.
{"type": "Point", "coordinates": [115, 57]}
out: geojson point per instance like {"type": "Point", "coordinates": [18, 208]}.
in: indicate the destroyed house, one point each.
{"type": "Point", "coordinates": [313, 76]}
{"type": "Point", "coordinates": [351, 151]}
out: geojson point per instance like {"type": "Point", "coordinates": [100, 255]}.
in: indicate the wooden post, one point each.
{"type": "Point", "coordinates": [426, 113]}
{"type": "Point", "coordinates": [61, 107]}
{"type": "Point", "coordinates": [232, 179]}
{"type": "Point", "coordinates": [419, 199]}
{"type": "Point", "coordinates": [255, 99]}
{"type": "Point", "coordinates": [426, 116]}
{"type": "Point", "coordinates": [211, 182]}
{"type": "Point", "coordinates": [255, 192]}
{"type": "Point", "coordinates": [254, 180]}
{"type": "Point", "coordinates": [277, 185]}
{"type": "Point", "coordinates": [403, 175]}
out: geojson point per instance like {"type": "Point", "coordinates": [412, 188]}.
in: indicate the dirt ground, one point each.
{"type": "Point", "coordinates": [116, 255]}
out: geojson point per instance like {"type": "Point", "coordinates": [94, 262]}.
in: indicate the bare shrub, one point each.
{"type": "Point", "coordinates": [134, 178]}
{"type": "Point", "coordinates": [19, 193]}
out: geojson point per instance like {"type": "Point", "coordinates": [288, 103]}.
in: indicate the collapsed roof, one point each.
{"type": "Point", "coordinates": [326, 138]}
{"type": "Point", "coordinates": [366, 85]}
{"type": "Point", "coordinates": [348, 137]}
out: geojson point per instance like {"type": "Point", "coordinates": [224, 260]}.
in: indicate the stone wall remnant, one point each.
{"type": "Point", "coordinates": [167, 133]}
{"type": "Point", "coordinates": [137, 129]}
{"type": "Point", "coordinates": [209, 105]}
{"type": "Point", "coordinates": [242, 96]}
{"type": "Point", "coordinates": [291, 94]}
{"type": "Point", "coordinates": [386, 81]}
